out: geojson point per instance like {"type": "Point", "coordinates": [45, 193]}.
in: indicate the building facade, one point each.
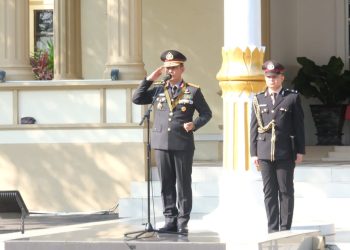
{"type": "Point", "coordinates": [87, 145]}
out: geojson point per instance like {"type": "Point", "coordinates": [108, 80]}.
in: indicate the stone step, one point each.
{"type": "Point", "coordinates": [303, 189]}
{"type": "Point", "coordinates": [336, 154]}
{"type": "Point", "coordinates": [339, 153]}
{"type": "Point", "coordinates": [299, 239]}
{"type": "Point", "coordinates": [322, 194]}
{"type": "Point", "coordinates": [316, 213]}
{"type": "Point", "coordinates": [316, 153]}
{"type": "Point", "coordinates": [315, 172]}
{"type": "Point", "coordinates": [209, 188]}
{"type": "Point", "coordinates": [345, 149]}
{"type": "Point", "coordinates": [138, 207]}
{"type": "Point", "coordinates": [200, 172]}
{"type": "Point", "coordinates": [339, 158]}
{"type": "Point", "coordinates": [323, 173]}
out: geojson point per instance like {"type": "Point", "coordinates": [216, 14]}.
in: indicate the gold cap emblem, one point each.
{"type": "Point", "coordinates": [169, 56]}
{"type": "Point", "coordinates": [270, 66]}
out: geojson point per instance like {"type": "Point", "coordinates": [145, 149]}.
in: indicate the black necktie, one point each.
{"type": "Point", "coordinates": [173, 89]}
{"type": "Point", "coordinates": [273, 97]}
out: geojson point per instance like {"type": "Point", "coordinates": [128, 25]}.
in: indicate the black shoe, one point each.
{"type": "Point", "coordinates": [169, 227]}
{"type": "Point", "coordinates": [183, 230]}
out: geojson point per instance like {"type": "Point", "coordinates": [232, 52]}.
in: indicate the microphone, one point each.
{"type": "Point", "coordinates": [166, 78]}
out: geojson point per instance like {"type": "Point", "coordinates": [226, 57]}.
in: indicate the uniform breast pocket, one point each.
{"type": "Point", "coordinates": [264, 110]}
{"type": "Point", "coordinates": [284, 110]}
{"type": "Point", "coordinates": [261, 137]}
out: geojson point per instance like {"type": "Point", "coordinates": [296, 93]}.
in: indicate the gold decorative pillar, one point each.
{"type": "Point", "coordinates": [67, 40]}
{"type": "Point", "coordinates": [125, 39]}
{"type": "Point", "coordinates": [14, 39]}
{"type": "Point", "coordinates": [240, 76]}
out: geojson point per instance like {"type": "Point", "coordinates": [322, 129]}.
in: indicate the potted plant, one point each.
{"type": "Point", "coordinates": [42, 63]}
{"type": "Point", "coordinates": [330, 84]}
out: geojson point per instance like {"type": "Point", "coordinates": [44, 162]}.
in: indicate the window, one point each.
{"type": "Point", "coordinates": [43, 28]}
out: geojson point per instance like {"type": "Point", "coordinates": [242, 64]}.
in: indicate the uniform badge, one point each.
{"type": "Point", "coordinates": [169, 56]}
{"type": "Point", "coordinates": [270, 66]}
{"type": "Point", "coordinates": [183, 109]}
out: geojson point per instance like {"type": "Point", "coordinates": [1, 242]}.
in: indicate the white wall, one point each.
{"type": "Point", "coordinates": [311, 28]}
{"type": "Point", "coordinates": [195, 28]}
{"type": "Point", "coordinates": [93, 38]}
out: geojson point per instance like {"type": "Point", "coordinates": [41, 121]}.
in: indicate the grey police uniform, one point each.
{"type": "Point", "coordinates": [278, 165]}
{"type": "Point", "coordinates": [174, 146]}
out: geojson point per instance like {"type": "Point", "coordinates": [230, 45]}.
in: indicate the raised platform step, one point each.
{"type": "Point", "coordinates": [339, 153]}
{"type": "Point", "coordinates": [298, 240]}
{"type": "Point", "coordinates": [109, 235]}
{"type": "Point", "coordinates": [303, 189]}
{"type": "Point", "coordinates": [322, 192]}
{"type": "Point", "coordinates": [316, 153]}
{"type": "Point", "coordinates": [201, 171]}
{"type": "Point", "coordinates": [138, 207]}
{"type": "Point", "coordinates": [329, 180]}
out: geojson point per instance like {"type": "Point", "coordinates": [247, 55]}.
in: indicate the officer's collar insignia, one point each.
{"type": "Point", "coordinates": [169, 56]}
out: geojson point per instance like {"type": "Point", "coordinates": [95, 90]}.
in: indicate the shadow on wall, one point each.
{"type": "Point", "coordinates": [71, 177]}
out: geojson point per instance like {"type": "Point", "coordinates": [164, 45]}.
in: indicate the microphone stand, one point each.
{"type": "Point", "coordinates": [148, 226]}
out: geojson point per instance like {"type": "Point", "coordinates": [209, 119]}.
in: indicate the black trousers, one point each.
{"type": "Point", "coordinates": [278, 185]}
{"type": "Point", "coordinates": [175, 172]}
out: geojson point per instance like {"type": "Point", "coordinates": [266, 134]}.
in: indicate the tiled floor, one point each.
{"type": "Point", "coordinates": [43, 231]}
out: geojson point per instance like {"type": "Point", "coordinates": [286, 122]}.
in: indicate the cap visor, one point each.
{"type": "Point", "coordinates": [271, 74]}
{"type": "Point", "coordinates": [171, 64]}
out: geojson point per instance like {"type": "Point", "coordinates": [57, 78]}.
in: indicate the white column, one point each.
{"type": "Point", "coordinates": [67, 40]}
{"type": "Point", "coordinates": [240, 76]}
{"type": "Point", "coordinates": [125, 39]}
{"type": "Point", "coordinates": [14, 39]}
{"type": "Point", "coordinates": [242, 23]}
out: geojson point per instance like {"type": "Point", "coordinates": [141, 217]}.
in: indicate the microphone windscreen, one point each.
{"type": "Point", "coordinates": [167, 77]}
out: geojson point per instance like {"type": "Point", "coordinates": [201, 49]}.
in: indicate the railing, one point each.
{"type": "Point", "coordinates": [68, 105]}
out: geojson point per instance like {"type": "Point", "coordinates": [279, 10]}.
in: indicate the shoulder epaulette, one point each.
{"type": "Point", "coordinates": [292, 91]}
{"type": "Point", "coordinates": [158, 83]}
{"type": "Point", "coordinates": [260, 93]}
{"type": "Point", "coordinates": [193, 85]}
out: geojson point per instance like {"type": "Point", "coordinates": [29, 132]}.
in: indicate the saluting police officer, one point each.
{"type": "Point", "coordinates": [172, 135]}
{"type": "Point", "coordinates": [277, 143]}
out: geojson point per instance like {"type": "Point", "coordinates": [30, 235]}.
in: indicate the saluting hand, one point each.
{"type": "Point", "coordinates": [155, 74]}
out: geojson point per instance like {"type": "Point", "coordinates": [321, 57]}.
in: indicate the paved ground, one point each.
{"type": "Point", "coordinates": [60, 226]}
